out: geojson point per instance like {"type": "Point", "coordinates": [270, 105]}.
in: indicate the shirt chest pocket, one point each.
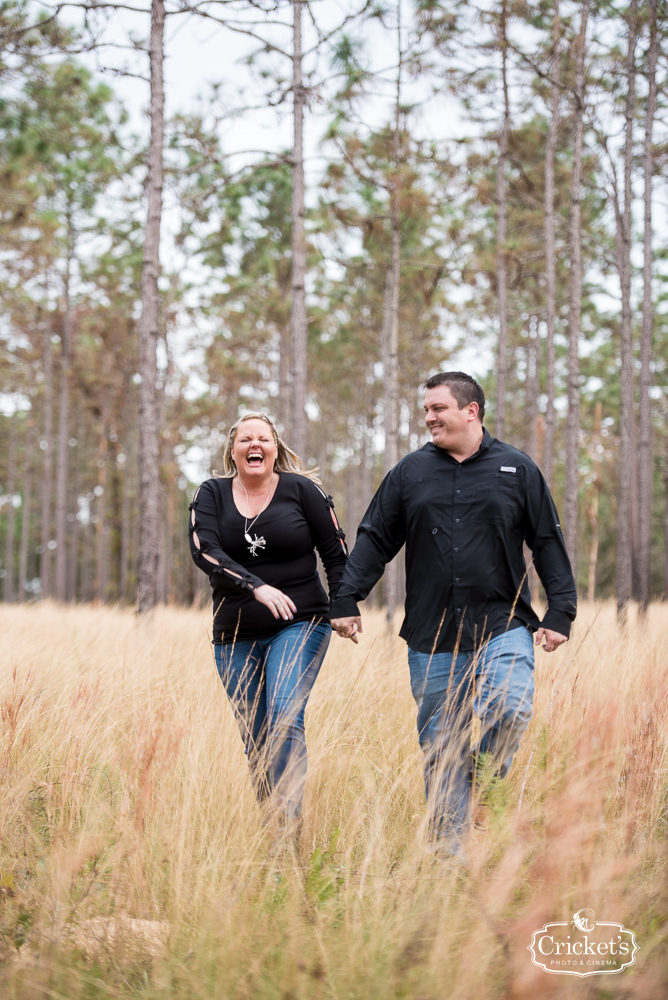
{"type": "Point", "coordinates": [425, 503]}
{"type": "Point", "coordinates": [500, 500]}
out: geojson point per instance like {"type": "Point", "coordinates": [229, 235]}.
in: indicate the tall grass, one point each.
{"type": "Point", "coordinates": [125, 797]}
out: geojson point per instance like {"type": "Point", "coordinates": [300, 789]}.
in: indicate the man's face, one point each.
{"type": "Point", "coordinates": [448, 424]}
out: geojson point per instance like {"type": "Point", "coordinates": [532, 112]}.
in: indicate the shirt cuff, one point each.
{"type": "Point", "coordinates": [344, 607]}
{"type": "Point", "coordinates": [557, 621]}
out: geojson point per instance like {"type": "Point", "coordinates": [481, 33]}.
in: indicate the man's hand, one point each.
{"type": "Point", "coordinates": [347, 628]}
{"type": "Point", "coordinates": [552, 639]}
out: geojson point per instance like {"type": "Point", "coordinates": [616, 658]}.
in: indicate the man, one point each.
{"type": "Point", "coordinates": [464, 504]}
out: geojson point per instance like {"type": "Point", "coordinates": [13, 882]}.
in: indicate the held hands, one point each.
{"type": "Point", "coordinates": [280, 605]}
{"type": "Point", "coordinates": [552, 639]}
{"type": "Point", "coordinates": [347, 628]}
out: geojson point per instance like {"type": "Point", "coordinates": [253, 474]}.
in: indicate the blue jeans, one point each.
{"type": "Point", "coordinates": [268, 681]}
{"type": "Point", "coordinates": [496, 684]}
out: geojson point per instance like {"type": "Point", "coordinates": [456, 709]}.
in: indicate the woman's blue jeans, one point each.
{"type": "Point", "coordinates": [496, 684]}
{"type": "Point", "coordinates": [268, 681]}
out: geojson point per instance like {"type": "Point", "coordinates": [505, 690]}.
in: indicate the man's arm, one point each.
{"type": "Point", "coordinates": [544, 537]}
{"type": "Point", "coordinates": [380, 535]}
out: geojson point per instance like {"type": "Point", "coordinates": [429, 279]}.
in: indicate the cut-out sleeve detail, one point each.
{"type": "Point", "coordinates": [329, 538]}
{"type": "Point", "coordinates": [205, 544]}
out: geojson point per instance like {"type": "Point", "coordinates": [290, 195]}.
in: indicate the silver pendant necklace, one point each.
{"type": "Point", "coordinates": [256, 543]}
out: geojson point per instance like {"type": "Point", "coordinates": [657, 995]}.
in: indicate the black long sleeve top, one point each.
{"type": "Point", "coordinates": [463, 525]}
{"type": "Point", "coordinates": [299, 519]}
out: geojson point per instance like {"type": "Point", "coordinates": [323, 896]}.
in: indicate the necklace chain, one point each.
{"type": "Point", "coordinates": [248, 526]}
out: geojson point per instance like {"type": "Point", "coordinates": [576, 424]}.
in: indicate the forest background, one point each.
{"type": "Point", "coordinates": [362, 195]}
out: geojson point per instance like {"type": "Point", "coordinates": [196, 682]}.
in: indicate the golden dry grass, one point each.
{"type": "Point", "coordinates": [125, 799]}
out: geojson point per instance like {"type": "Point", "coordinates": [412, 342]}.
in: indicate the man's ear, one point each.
{"type": "Point", "coordinates": [473, 409]}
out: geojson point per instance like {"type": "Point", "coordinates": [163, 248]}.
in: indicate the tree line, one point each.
{"type": "Point", "coordinates": [489, 192]}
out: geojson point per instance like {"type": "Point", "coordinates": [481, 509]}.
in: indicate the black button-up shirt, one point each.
{"type": "Point", "coordinates": [463, 525]}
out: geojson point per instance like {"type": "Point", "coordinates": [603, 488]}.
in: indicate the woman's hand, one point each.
{"type": "Point", "coordinates": [280, 605]}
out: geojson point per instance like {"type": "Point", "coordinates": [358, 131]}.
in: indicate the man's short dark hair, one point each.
{"type": "Point", "coordinates": [463, 387]}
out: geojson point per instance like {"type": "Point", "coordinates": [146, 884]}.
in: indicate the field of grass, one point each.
{"type": "Point", "coordinates": [133, 863]}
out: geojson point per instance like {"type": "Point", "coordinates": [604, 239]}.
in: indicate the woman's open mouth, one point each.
{"type": "Point", "coordinates": [255, 460]}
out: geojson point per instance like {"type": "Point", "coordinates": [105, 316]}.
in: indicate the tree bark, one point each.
{"type": "Point", "coordinates": [593, 506]}
{"type": "Point", "coordinates": [26, 509]}
{"type": "Point", "coordinates": [665, 519]}
{"type": "Point", "coordinates": [389, 341]}
{"type": "Point", "coordinates": [125, 533]}
{"type": "Point", "coordinates": [298, 319]}
{"type": "Point", "coordinates": [149, 473]}
{"type": "Point", "coordinates": [575, 303]}
{"type": "Point", "coordinates": [626, 413]}
{"type": "Point", "coordinates": [74, 532]}
{"type": "Point", "coordinates": [162, 593]}
{"type": "Point", "coordinates": [645, 436]}
{"type": "Point", "coordinates": [390, 331]}
{"type": "Point", "coordinates": [63, 434]}
{"type": "Point", "coordinates": [532, 391]}
{"type": "Point", "coordinates": [47, 465]}
{"type": "Point", "coordinates": [8, 582]}
{"type": "Point", "coordinates": [550, 255]}
{"type": "Point", "coordinates": [502, 237]}
{"type": "Point", "coordinates": [101, 576]}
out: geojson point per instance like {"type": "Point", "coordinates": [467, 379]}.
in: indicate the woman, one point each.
{"type": "Point", "coordinates": [253, 530]}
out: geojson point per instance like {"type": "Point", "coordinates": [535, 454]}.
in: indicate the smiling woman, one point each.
{"type": "Point", "coordinates": [254, 531]}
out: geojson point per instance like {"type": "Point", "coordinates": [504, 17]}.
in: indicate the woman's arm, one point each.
{"type": "Point", "coordinates": [205, 544]}
{"type": "Point", "coordinates": [207, 552]}
{"type": "Point", "coordinates": [329, 539]}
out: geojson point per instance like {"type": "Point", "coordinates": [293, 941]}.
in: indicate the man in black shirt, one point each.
{"type": "Point", "coordinates": [464, 504]}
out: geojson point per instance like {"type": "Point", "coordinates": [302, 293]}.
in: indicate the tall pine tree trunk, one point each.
{"type": "Point", "coordinates": [626, 412]}
{"type": "Point", "coordinates": [551, 256]}
{"type": "Point", "coordinates": [390, 330]}
{"type": "Point", "coordinates": [125, 533]}
{"type": "Point", "coordinates": [593, 506]}
{"type": "Point", "coordinates": [74, 492]}
{"type": "Point", "coordinates": [47, 465]}
{"type": "Point", "coordinates": [63, 436]}
{"type": "Point", "coordinates": [101, 577]}
{"type": "Point", "coordinates": [532, 391]}
{"type": "Point", "coordinates": [390, 356]}
{"type": "Point", "coordinates": [8, 582]}
{"type": "Point", "coordinates": [298, 320]}
{"type": "Point", "coordinates": [26, 506]}
{"type": "Point", "coordinates": [575, 303]}
{"type": "Point", "coordinates": [502, 237]}
{"type": "Point", "coordinates": [645, 443]}
{"type": "Point", "coordinates": [665, 519]}
{"type": "Point", "coordinates": [149, 473]}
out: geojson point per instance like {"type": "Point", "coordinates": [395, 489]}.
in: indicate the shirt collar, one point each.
{"type": "Point", "coordinates": [485, 445]}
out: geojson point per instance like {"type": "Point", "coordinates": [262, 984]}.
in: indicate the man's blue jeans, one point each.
{"type": "Point", "coordinates": [494, 683]}
{"type": "Point", "coordinates": [268, 681]}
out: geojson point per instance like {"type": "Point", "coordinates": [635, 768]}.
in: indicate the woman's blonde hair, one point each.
{"type": "Point", "coordinates": [286, 459]}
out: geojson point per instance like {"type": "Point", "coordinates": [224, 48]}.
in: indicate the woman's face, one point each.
{"type": "Point", "coordinates": [254, 450]}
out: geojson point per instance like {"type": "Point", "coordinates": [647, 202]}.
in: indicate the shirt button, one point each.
{"type": "Point", "coordinates": [434, 531]}
{"type": "Point", "coordinates": [456, 579]}
{"type": "Point", "coordinates": [456, 550]}
{"type": "Point", "coordinates": [458, 610]}
{"type": "Point", "coordinates": [456, 520]}
{"type": "Point", "coordinates": [459, 491]}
